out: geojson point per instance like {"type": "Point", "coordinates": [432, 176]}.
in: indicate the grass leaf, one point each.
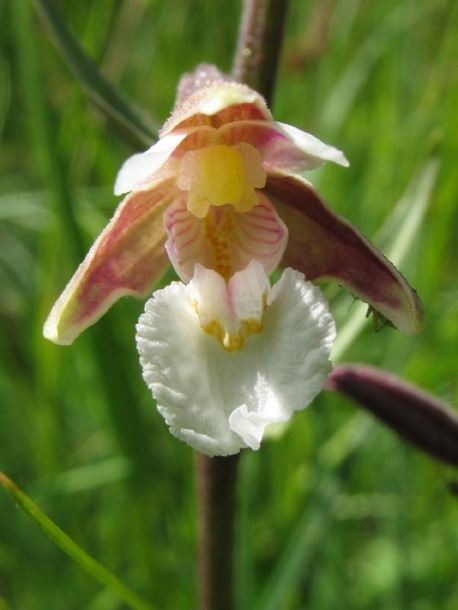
{"type": "Point", "coordinates": [90, 565]}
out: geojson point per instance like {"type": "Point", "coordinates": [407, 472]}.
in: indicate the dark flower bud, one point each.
{"type": "Point", "coordinates": [416, 416]}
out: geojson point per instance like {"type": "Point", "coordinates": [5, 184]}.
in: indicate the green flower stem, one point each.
{"type": "Point", "coordinates": [259, 45]}
{"type": "Point", "coordinates": [92, 567]}
{"type": "Point", "coordinates": [216, 484]}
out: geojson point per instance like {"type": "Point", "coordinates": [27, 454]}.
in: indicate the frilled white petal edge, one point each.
{"type": "Point", "coordinates": [317, 151]}
{"type": "Point", "coordinates": [220, 401]}
{"type": "Point", "coordinates": [138, 171]}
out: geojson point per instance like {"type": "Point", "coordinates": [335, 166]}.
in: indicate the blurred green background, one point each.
{"type": "Point", "coordinates": [336, 512]}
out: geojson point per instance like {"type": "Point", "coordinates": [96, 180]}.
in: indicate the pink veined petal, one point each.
{"type": "Point", "coordinates": [260, 235]}
{"type": "Point", "coordinates": [128, 258]}
{"type": "Point", "coordinates": [282, 147]}
{"type": "Point", "coordinates": [317, 151]}
{"type": "Point", "coordinates": [256, 235]}
{"type": "Point", "coordinates": [326, 247]}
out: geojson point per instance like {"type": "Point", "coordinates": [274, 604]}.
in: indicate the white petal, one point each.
{"type": "Point", "coordinates": [220, 401]}
{"type": "Point", "coordinates": [137, 171]}
{"type": "Point", "coordinates": [232, 311]}
{"type": "Point", "coordinates": [224, 95]}
{"type": "Point", "coordinates": [317, 151]}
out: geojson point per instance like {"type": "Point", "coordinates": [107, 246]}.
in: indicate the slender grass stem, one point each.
{"type": "Point", "coordinates": [92, 567]}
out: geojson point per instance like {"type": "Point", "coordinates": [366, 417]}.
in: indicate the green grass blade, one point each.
{"type": "Point", "coordinates": [92, 567]}
{"type": "Point", "coordinates": [355, 76]}
{"type": "Point", "coordinates": [305, 541]}
{"type": "Point", "coordinates": [122, 112]}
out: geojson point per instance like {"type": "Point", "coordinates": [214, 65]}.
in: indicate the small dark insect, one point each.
{"type": "Point", "coordinates": [378, 319]}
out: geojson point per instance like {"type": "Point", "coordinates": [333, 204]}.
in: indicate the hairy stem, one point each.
{"type": "Point", "coordinates": [259, 44]}
{"type": "Point", "coordinates": [216, 485]}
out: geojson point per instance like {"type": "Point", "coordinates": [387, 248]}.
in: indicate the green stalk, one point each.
{"type": "Point", "coordinates": [216, 484]}
{"type": "Point", "coordinates": [260, 40]}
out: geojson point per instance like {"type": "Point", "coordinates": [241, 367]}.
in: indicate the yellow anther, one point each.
{"type": "Point", "coordinates": [221, 173]}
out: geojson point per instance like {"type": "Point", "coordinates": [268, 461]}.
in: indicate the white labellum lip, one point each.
{"type": "Point", "coordinates": [220, 401]}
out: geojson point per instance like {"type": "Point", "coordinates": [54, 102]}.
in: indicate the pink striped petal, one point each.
{"type": "Point", "coordinates": [283, 146]}
{"type": "Point", "coordinates": [326, 247]}
{"type": "Point", "coordinates": [225, 240]}
{"type": "Point", "coordinates": [128, 258]}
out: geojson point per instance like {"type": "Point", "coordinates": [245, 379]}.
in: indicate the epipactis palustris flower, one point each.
{"type": "Point", "coordinates": [215, 190]}
{"type": "Point", "coordinates": [221, 144]}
